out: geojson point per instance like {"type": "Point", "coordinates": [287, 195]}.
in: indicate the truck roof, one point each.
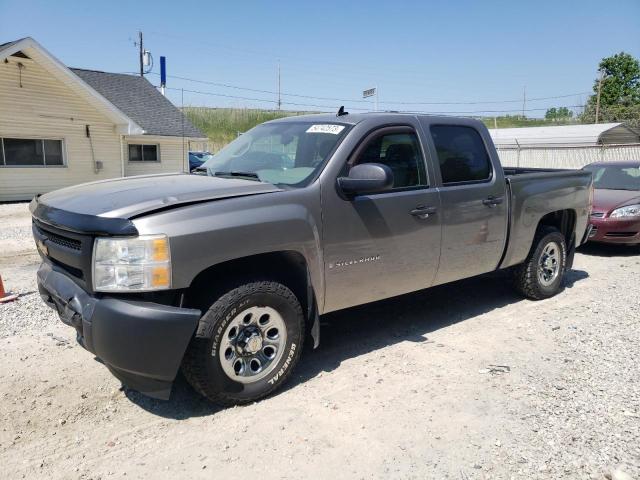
{"type": "Point", "coordinates": [383, 117]}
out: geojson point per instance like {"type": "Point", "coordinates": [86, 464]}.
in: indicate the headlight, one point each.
{"type": "Point", "coordinates": [132, 264]}
{"type": "Point", "coordinates": [628, 211]}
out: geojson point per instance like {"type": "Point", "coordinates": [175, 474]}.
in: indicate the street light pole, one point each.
{"type": "Point", "coordinates": [141, 53]}
{"type": "Point", "coordinates": [598, 96]}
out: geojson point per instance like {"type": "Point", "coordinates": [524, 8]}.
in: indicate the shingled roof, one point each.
{"type": "Point", "coordinates": [139, 100]}
{"type": "Point", "coordinates": [8, 45]}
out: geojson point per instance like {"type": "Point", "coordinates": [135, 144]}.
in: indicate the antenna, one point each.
{"type": "Point", "coordinates": [341, 112]}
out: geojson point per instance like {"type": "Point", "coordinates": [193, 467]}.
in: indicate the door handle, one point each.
{"type": "Point", "coordinates": [492, 201]}
{"type": "Point", "coordinates": [423, 212]}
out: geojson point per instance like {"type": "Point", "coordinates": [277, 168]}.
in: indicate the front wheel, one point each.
{"type": "Point", "coordinates": [247, 343]}
{"type": "Point", "coordinates": [542, 273]}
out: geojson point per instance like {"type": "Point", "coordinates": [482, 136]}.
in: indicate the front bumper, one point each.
{"type": "Point", "coordinates": [142, 343]}
{"type": "Point", "coordinates": [614, 230]}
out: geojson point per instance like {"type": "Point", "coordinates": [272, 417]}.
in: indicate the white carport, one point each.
{"type": "Point", "coordinates": [566, 146]}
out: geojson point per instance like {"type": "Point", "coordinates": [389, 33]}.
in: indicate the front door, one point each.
{"type": "Point", "coordinates": [383, 244]}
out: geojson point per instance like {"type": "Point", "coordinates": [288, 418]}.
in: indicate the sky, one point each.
{"type": "Point", "coordinates": [466, 57]}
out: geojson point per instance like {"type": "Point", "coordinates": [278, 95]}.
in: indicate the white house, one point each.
{"type": "Point", "coordinates": [62, 126]}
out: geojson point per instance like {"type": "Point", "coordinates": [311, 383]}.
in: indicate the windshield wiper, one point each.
{"type": "Point", "coordinates": [236, 173]}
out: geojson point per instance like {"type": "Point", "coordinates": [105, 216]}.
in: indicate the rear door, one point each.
{"type": "Point", "coordinates": [474, 206]}
{"type": "Point", "coordinates": [382, 244]}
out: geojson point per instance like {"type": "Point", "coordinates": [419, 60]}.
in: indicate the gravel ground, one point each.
{"type": "Point", "coordinates": [464, 381]}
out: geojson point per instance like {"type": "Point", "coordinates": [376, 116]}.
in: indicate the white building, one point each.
{"type": "Point", "coordinates": [61, 126]}
{"type": "Point", "coordinates": [567, 146]}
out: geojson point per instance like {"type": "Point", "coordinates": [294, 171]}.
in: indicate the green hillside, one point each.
{"type": "Point", "coordinates": [222, 125]}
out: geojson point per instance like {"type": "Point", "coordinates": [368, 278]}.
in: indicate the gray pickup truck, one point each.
{"type": "Point", "coordinates": [224, 274]}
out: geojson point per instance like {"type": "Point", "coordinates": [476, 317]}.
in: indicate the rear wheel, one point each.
{"type": "Point", "coordinates": [542, 273]}
{"type": "Point", "coordinates": [247, 343]}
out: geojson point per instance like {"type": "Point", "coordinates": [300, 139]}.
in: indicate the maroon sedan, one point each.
{"type": "Point", "coordinates": [615, 215]}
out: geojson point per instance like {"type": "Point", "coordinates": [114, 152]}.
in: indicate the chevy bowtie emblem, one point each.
{"type": "Point", "coordinates": [42, 247]}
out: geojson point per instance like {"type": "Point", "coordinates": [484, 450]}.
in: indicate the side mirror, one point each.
{"type": "Point", "coordinates": [366, 178]}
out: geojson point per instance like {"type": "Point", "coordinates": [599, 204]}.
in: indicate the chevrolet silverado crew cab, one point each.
{"type": "Point", "coordinates": [224, 274]}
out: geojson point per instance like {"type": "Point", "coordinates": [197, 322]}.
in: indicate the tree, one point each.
{"type": "Point", "coordinates": [621, 80]}
{"type": "Point", "coordinates": [560, 113]}
{"type": "Point", "coordinates": [620, 90]}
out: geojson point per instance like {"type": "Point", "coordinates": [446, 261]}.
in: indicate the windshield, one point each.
{"type": "Point", "coordinates": [615, 177]}
{"type": "Point", "coordinates": [282, 153]}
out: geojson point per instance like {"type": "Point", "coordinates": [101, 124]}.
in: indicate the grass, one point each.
{"type": "Point", "coordinates": [222, 125]}
{"type": "Point", "coordinates": [512, 121]}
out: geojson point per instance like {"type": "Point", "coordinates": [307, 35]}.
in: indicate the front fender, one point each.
{"type": "Point", "coordinates": [212, 233]}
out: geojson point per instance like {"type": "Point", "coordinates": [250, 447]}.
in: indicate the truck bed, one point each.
{"type": "Point", "coordinates": [535, 191]}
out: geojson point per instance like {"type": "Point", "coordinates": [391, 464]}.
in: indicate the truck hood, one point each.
{"type": "Point", "coordinates": [133, 196]}
{"type": "Point", "coordinates": [605, 200]}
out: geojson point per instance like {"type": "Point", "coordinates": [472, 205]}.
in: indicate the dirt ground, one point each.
{"type": "Point", "coordinates": [464, 381]}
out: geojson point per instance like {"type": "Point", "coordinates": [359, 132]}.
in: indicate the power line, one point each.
{"type": "Point", "coordinates": [332, 107]}
{"type": "Point", "coordinates": [518, 110]}
{"type": "Point", "coordinates": [259, 99]}
{"type": "Point", "coordinates": [209, 45]}
{"type": "Point", "coordinates": [352, 100]}
{"type": "Point", "coordinates": [257, 90]}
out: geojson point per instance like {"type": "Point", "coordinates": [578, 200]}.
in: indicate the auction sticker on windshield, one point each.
{"type": "Point", "coordinates": [325, 128]}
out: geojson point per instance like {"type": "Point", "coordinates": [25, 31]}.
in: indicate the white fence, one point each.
{"type": "Point", "coordinates": [559, 156]}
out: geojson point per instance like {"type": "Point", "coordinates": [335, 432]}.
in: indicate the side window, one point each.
{"type": "Point", "coordinates": [143, 153]}
{"type": "Point", "coordinates": [461, 154]}
{"type": "Point", "coordinates": [25, 152]}
{"type": "Point", "coordinates": [401, 153]}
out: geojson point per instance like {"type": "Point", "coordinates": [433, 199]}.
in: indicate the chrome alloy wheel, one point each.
{"type": "Point", "coordinates": [549, 264]}
{"type": "Point", "coordinates": [253, 344]}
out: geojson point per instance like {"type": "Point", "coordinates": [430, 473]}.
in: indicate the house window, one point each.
{"type": "Point", "coordinates": [31, 152]}
{"type": "Point", "coordinates": [143, 153]}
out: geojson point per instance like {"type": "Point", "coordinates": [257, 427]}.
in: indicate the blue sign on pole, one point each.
{"type": "Point", "coordinates": [163, 71]}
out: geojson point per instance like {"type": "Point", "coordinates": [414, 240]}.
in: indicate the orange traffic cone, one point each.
{"type": "Point", "coordinates": [4, 296]}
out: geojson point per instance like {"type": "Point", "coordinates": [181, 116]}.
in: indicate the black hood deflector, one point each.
{"type": "Point", "coordinates": [80, 223]}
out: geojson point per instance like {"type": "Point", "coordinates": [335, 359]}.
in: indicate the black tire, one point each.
{"type": "Point", "coordinates": [526, 276]}
{"type": "Point", "coordinates": [202, 365]}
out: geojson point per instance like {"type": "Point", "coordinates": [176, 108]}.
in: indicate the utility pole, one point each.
{"type": "Point", "coordinates": [141, 53]}
{"type": "Point", "coordinates": [524, 100]}
{"type": "Point", "coordinates": [598, 96]}
{"type": "Point", "coordinates": [279, 100]}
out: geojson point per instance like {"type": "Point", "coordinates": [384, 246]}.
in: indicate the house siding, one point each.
{"type": "Point", "coordinates": [173, 157]}
{"type": "Point", "coordinates": [44, 107]}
